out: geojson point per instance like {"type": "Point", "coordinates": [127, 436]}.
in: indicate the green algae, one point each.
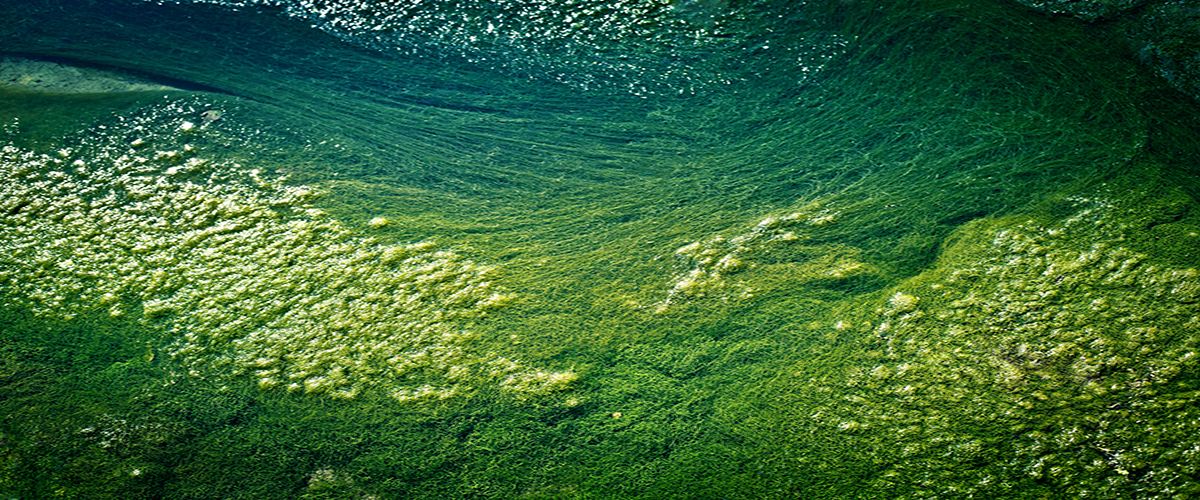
{"type": "Point", "coordinates": [773, 380]}
{"type": "Point", "coordinates": [245, 275]}
{"type": "Point", "coordinates": [1034, 359]}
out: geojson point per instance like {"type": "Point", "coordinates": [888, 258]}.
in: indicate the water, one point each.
{"type": "Point", "coordinates": [595, 250]}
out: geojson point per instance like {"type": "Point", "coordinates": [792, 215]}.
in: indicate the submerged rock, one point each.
{"type": "Point", "coordinates": [1164, 34]}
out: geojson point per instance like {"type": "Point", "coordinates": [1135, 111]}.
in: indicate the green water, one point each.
{"type": "Point", "coordinates": [930, 250]}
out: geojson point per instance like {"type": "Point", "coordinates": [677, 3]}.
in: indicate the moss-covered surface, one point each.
{"type": "Point", "coordinates": [1040, 356]}
{"type": "Point", "coordinates": [961, 261]}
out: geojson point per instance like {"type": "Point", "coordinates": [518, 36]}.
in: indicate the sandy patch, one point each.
{"type": "Point", "coordinates": [52, 76]}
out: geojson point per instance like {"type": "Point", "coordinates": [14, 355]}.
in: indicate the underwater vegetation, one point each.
{"type": "Point", "coordinates": [1057, 354]}
{"type": "Point", "coordinates": [496, 250]}
{"type": "Point", "coordinates": [242, 271]}
{"type": "Point", "coordinates": [710, 263]}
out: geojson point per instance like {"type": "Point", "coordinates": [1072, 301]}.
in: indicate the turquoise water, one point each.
{"type": "Point", "coordinates": [596, 250]}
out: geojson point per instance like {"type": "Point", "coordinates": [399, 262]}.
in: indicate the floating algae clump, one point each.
{"type": "Point", "coordinates": [1040, 355]}
{"type": "Point", "coordinates": [243, 274]}
{"type": "Point", "coordinates": [709, 264]}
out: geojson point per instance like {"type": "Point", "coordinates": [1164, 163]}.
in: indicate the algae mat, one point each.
{"type": "Point", "coordinates": [605, 250]}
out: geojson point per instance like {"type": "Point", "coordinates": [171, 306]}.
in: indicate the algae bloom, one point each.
{"type": "Point", "coordinates": [244, 276]}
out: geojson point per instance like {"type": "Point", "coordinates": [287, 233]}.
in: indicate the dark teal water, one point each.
{"type": "Point", "coordinates": [704, 249]}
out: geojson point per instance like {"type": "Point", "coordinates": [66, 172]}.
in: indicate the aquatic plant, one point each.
{"type": "Point", "coordinates": [241, 272]}
{"type": "Point", "coordinates": [709, 264]}
{"type": "Point", "coordinates": [727, 339]}
{"type": "Point", "coordinates": [1037, 352]}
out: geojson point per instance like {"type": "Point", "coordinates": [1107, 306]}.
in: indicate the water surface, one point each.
{"type": "Point", "coordinates": [594, 250]}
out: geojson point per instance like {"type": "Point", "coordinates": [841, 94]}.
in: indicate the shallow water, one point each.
{"type": "Point", "coordinates": [596, 250]}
